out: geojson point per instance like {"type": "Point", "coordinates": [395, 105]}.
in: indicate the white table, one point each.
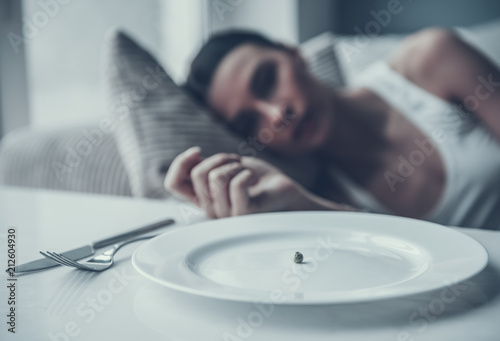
{"type": "Point", "coordinates": [119, 304]}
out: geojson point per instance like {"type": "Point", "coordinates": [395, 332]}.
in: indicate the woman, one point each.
{"type": "Point", "coordinates": [417, 136]}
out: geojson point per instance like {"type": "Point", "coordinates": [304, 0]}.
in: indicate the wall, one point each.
{"type": "Point", "coordinates": [317, 16]}
{"type": "Point", "coordinates": [184, 27]}
{"type": "Point", "coordinates": [64, 49]}
{"type": "Point", "coordinates": [14, 109]}
{"type": "Point", "coordinates": [416, 14]}
{"type": "Point", "coordinates": [277, 18]}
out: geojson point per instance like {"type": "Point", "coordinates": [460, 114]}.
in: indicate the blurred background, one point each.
{"type": "Point", "coordinates": [51, 50]}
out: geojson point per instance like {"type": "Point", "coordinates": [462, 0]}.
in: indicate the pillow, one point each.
{"type": "Point", "coordinates": [485, 38]}
{"type": "Point", "coordinates": [81, 158]}
{"type": "Point", "coordinates": [155, 121]}
{"type": "Point", "coordinates": [354, 55]}
{"type": "Point", "coordinates": [321, 59]}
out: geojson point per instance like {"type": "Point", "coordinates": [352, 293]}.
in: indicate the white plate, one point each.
{"type": "Point", "coordinates": [348, 257]}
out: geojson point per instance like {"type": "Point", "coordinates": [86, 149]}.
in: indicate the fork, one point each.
{"type": "Point", "coordinates": [98, 263]}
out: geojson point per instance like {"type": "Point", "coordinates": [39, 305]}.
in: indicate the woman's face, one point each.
{"type": "Point", "coordinates": [268, 95]}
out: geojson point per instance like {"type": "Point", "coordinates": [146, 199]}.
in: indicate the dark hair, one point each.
{"type": "Point", "coordinates": [211, 54]}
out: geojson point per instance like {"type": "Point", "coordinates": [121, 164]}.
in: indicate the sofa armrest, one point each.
{"type": "Point", "coordinates": [83, 159]}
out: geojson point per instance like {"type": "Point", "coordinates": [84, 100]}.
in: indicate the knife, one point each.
{"type": "Point", "coordinates": [89, 250]}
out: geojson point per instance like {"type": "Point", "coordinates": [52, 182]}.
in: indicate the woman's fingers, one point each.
{"type": "Point", "coordinates": [199, 177]}
{"type": "Point", "coordinates": [219, 180]}
{"type": "Point", "coordinates": [178, 179]}
{"type": "Point", "coordinates": [238, 192]}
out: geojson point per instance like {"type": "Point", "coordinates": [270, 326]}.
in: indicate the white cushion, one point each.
{"type": "Point", "coordinates": [357, 53]}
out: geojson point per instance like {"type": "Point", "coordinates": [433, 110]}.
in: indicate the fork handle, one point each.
{"type": "Point", "coordinates": [130, 234]}
{"type": "Point", "coordinates": [118, 246]}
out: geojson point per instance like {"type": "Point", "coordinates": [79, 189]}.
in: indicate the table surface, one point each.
{"type": "Point", "coordinates": [65, 304]}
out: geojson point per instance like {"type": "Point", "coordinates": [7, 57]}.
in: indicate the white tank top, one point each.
{"type": "Point", "coordinates": [471, 154]}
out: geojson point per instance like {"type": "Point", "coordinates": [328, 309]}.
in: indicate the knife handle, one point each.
{"type": "Point", "coordinates": [130, 234]}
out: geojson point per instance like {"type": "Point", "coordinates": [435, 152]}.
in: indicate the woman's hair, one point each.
{"type": "Point", "coordinates": [211, 54]}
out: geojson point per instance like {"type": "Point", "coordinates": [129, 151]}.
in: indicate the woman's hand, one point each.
{"type": "Point", "coordinates": [229, 185]}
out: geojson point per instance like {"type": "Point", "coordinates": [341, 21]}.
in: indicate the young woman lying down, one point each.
{"type": "Point", "coordinates": [417, 135]}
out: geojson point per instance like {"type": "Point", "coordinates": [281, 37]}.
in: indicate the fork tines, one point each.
{"type": "Point", "coordinates": [63, 260]}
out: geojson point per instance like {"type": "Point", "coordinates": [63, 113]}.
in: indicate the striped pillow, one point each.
{"type": "Point", "coordinates": [354, 56]}
{"type": "Point", "coordinates": [82, 159]}
{"type": "Point", "coordinates": [321, 58]}
{"type": "Point", "coordinates": [155, 121]}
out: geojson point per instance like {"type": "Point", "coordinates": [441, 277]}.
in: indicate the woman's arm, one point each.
{"type": "Point", "coordinates": [442, 63]}
{"type": "Point", "coordinates": [229, 185]}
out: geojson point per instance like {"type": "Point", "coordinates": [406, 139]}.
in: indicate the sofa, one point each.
{"type": "Point", "coordinates": [110, 157]}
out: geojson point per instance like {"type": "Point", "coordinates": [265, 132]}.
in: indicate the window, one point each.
{"type": "Point", "coordinates": [58, 67]}
{"type": "Point", "coordinates": [64, 50]}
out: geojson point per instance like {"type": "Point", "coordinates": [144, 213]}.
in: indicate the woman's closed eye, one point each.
{"type": "Point", "coordinates": [264, 79]}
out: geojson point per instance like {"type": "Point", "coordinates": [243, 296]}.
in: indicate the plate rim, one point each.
{"type": "Point", "coordinates": [212, 295]}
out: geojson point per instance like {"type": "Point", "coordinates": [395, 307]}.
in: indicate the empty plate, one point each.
{"type": "Point", "coordinates": [347, 257]}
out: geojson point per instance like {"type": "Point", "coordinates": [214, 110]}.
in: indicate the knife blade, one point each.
{"type": "Point", "coordinates": [89, 250]}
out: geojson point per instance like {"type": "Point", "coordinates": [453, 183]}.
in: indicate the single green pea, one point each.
{"type": "Point", "coordinates": [298, 257]}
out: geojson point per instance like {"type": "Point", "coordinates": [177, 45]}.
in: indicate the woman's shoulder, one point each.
{"type": "Point", "coordinates": [420, 55]}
